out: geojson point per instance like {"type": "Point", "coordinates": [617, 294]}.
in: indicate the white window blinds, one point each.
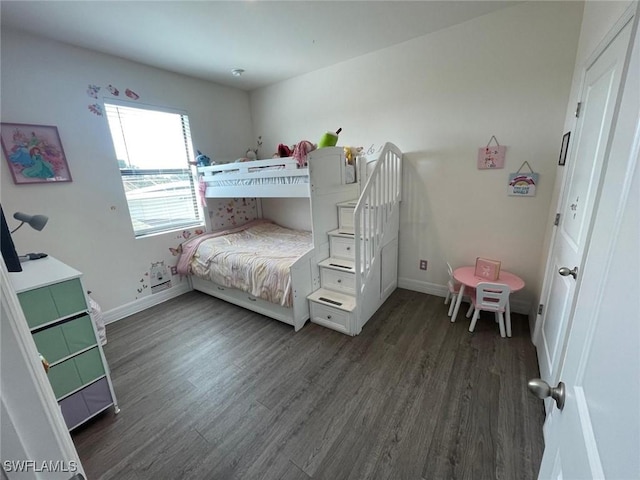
{"type": "Point", "coordinates": [153, 148]}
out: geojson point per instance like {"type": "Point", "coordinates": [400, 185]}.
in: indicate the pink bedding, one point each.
{"type": "Point", "coordinates": [254, 258]}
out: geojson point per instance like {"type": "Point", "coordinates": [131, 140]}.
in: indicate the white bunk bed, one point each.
{"type": "Point", "coordinates": [328, 181]}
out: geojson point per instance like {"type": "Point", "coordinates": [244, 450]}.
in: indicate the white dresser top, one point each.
{"type": "Point", "coordinates": [40, 273]}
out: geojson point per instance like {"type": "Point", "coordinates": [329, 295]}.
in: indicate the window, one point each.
{"type": "Point", "coordinates": [153, 147]}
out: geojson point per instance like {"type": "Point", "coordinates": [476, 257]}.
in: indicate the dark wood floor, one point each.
{"type": "Point", "coordinates": [212, 391]}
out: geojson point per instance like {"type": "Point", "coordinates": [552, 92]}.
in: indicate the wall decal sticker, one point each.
{"type": "Point", "coordinates": [93, 90]}
{"type": "Point", "coordinates": [226, 213]}
{"type": "Point", "coordinates": [160, 279]}
{"type": "Point", "coordinates": [176, 251]}
{"type": "Point", "coordinates": [96, 109]}
{"type": "Point", "coordinates": [142, 285]}
{"type": "Point", "coordinates": [131, 94]}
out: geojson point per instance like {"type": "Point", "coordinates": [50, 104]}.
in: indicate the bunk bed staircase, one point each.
{"type": "Point", "coordinates": [361, 269]}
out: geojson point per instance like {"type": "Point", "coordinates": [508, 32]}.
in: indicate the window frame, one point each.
{"type": "Point", "coordinates": [131, 173]}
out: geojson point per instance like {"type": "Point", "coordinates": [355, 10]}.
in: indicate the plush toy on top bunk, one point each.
{"type": "Point", "coordinates": [301, 151]}
{"type": "Point", "coordinates": [202, 160]}
{"type": "Point", "coordinates": [250, 156]}
{"type": "Point", "coordinates": [298, 151]}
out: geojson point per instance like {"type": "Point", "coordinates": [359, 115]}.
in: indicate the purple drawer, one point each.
{"type": "Point", "coordinates": [97, 396]}
{"type": "Point", "coordinates": [81, 405]}
{"type": "Point", "coordinates": [74, 409]}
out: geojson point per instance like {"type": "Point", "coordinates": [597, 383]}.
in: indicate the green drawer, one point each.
{"type": "Point", "coordinates": [43, 305]}
{"type": "Point", "coordinates": [38, 306]}
{"type": "Point", "coordinates": [64, 378]}
{"type": "Point", "coordinates": [89, 365]}
{"type": "Point", "coordinates": [51, 343]}
{"type": "Point", "coordinates": [68, 297]}
{"type": "Point", "coordinates": [76, 372]}
{"type": "Point", "coordinates": [79, 334]}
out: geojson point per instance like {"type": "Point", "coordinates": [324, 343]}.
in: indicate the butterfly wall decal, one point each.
{"type": "Point", "coordinates": [176, 251]}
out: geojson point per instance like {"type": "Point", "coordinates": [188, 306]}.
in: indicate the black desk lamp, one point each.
{"type": "Point", "coordinates": [36, 222]}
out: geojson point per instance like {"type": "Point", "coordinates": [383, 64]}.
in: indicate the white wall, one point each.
{"type": "Point", "coordinates": [439, 98]}
{"type": "Point", "coordinates": [291, 212]}
{"type": "Point", "coordinates": [46, 83]}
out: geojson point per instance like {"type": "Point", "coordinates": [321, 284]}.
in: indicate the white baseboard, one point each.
{"type": "Point", "coordinates": [118, 313]}
{"type": "Point", "coordinates": [143, 303]}
{"type": "Point", "coordinates": [424, 287]}
{"type": "Point", "coordinates": [517, 306]}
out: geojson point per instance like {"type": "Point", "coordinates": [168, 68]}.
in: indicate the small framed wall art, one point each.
{"type": "Point", "coordinates": [523, 184]}
{"type": "Point", "coordinates": [491, 157]}
{"type": "Point", "coordinates": [34, 153]}
{"type": "Point", "coordinates": [564, 149]}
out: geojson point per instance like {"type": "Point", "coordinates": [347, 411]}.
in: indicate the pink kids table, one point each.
{"type": "Point", "coordinates": [467, 278]}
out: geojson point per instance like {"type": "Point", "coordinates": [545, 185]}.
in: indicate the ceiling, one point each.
{"type": "Point", "coordinates": [271, 40]}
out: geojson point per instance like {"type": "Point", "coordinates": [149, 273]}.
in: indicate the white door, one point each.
{"type": "Point", "coordinates": [588, 148]}
{"type": "Point", "coordinates": [597, 434]}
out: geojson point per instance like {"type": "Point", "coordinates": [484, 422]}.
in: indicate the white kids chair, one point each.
{"type": "Point", "coordinates": [453, 289]}
{"type": "Point", "coordinates": [491, 297]}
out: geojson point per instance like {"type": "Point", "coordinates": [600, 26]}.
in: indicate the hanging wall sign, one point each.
{"type": "Point", "coordinates": [523, 184]}
{"type": "Point", "coordinates": [491, 156]}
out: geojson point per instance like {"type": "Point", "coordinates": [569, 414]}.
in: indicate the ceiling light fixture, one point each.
{"type": "Point", "coordinates": [236, 72]}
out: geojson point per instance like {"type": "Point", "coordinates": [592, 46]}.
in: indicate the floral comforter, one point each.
{"type": "Point", "coordinates": [254, 258]}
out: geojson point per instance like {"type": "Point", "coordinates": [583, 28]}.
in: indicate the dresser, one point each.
{"type": "Point", "coordinates": [55, 305]}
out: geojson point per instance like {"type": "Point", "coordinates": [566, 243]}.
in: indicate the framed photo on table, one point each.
{"type": "Point", "coordinates": [34, 153]}
{"type": "Point", "coordinates": [487, 269]}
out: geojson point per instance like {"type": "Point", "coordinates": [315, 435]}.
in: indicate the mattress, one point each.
{"type": "Point", "coordinates": [254, 258]}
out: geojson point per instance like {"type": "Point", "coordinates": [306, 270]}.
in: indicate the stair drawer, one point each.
{"type": "Point", "coordinates": [345, 217]}
{"type": "Point", "coordinates": [339, 281]}
{"type": "Point", "coordinates": [330, 317]}
{"type": "Point", "coordinates": [342, 247]}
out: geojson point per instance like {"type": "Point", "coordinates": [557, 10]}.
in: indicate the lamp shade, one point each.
{"type": "Point", "coordinates": [35, 221]}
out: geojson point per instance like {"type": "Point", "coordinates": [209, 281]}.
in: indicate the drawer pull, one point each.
{"type": "Point", "coordinates": [348, 248]}
{"type": "Point", "coordinates": [252, 299]}
{"type": "Point", "coordinates": [220, 288]}
{"type": "Point", "coordinates": [339, 280]}
{"type": "Point", "coordinates": [328, 317]}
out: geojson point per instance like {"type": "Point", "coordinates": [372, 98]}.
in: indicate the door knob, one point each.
{"type": "Point", "coordinates": [564, 271]}
{"type": "Point", "coordinates": [541, 389]}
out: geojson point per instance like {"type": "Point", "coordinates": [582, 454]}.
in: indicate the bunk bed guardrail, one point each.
{"type": "Point", "coordinates": [373, 213]}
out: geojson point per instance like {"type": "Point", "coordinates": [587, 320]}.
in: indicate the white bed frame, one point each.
{"type": "Point", "coordinates": [282, 179]}
{"type": "Point", "coordinates": [243, 171]}
{"type": "Point", "coordinates": [301, 284]}
{"type": "Point", "coordinates": [325, 185]}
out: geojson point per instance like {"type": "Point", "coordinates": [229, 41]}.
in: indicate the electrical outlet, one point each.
{"type": "Point", "coordinates": [174, 270]}
{"type": "Point", "coordinates": [423, 264]}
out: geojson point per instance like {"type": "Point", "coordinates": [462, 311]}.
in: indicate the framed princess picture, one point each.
{"type": "Point", "coordinates": [34, 153]}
